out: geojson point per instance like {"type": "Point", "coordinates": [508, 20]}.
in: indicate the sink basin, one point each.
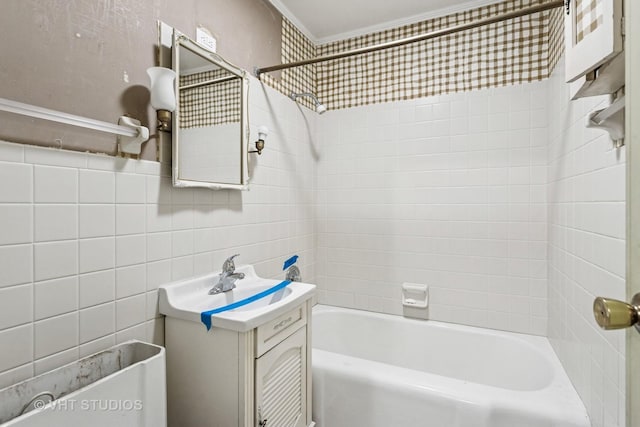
{"type": "Point", "coordinates": [187, 299]}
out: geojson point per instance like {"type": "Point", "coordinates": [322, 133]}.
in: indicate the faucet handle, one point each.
{"type": "Point", "coordinates": [229, 266]}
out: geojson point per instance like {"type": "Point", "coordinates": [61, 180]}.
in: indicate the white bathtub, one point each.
{"type": "Point", "coordinates": [377, 370]}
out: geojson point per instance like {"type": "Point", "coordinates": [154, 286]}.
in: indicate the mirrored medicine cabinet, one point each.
{"type": "Point", "coordinates": [210, 123]}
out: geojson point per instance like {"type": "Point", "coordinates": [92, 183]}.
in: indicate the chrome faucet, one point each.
{"type": "Point", "coordinates": [293, 274]}
{"type": "Point", "coordinates": [228, 277]}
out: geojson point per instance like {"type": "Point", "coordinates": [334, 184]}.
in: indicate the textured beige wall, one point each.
{"type": "Point", "coordinates": [89, 57]}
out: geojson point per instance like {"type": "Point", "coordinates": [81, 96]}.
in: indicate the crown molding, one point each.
{"type": "Point", "coordinates": [294, 20]}
{"type": "Point", "coordinates": [387, 25]}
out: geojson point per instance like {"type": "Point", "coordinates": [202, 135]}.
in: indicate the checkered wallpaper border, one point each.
{"type": "Point", "coordinates": [295, 47]}
{"type": "Point", "coordinates": [520, 50]}
{"type": "Point", "coordinates": [209, 105]}
{"type": "Point", "coordinates": [555, 34]}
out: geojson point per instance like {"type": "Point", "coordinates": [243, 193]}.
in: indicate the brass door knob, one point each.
{"type": "Point", "coordinates": [614, 314]}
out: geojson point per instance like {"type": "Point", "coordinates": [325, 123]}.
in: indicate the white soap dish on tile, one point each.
{"type": "Point", "coordinates": [415, 295]}
{"type": "Point", "coordinates": [415, 300]}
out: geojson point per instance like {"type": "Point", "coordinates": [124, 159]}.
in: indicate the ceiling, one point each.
{"type": "Point", "coordinates": [324, 21]}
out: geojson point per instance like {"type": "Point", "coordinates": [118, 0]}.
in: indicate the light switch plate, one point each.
{"type": "Point", "coordinates": [205, 39]}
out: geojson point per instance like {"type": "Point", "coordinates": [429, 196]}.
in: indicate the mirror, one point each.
{"type": "Point", "coordinates": [210, 125]}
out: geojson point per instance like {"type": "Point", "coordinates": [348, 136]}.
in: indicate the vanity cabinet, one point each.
{"type": "Point", "coordinates": [224, 378]}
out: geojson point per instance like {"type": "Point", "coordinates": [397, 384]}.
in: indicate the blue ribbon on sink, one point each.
{"type": "Point", "coordinates": [205, 316]}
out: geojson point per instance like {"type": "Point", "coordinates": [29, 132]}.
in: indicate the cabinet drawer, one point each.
{"type": "Point", "coordinates": [271, 333]}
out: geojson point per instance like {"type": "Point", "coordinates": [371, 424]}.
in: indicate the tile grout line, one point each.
{"type": "Point", "coordinates": [77, 276]}
{"type": "Point", "coordinates": [33, 266]}
{"type": "Point", "coordinates": [115, 254]}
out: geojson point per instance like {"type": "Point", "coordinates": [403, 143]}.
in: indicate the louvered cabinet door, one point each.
{"type": "Point", "coordinates": [593, 34]}
{"type": "Point", "coordinates": [281, 384]}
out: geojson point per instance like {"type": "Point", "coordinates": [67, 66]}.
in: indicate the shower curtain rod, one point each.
{"type": "Point", "coordinates": [418, 38]}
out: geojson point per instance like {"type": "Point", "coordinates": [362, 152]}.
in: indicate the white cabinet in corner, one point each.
{"type": "Point", "coordinates": [593, 35]}
{"type": "Point", "coordinates": [225, 378]}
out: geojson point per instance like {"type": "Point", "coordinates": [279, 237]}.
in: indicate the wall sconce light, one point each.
{"type": "Point", "coordinates": [263, 132]}
{"type": "Point", "coordinates": [163, 96]}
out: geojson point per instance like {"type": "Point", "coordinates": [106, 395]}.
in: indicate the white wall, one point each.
{"type": "Point", "coordinates": [85, 240]}
{"type": "Point", "coordinates": [449, 191]}
{"type": "Point", "coordinates": [586, 251]}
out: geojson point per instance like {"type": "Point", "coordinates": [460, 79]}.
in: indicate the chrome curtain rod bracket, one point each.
{"type": "Point", "coordinates": [421, 37]}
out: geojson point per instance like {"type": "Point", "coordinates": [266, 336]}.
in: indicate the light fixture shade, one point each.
{"type": "Point", "coordinates": [263, 132]}
{"type": "Point", "coordinates": [163, 96]}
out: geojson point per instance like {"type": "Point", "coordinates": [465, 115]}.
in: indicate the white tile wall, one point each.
{"type": "Point", "coordinates": [21, 216]}
{"type": "Point", "coordinates": [21, 178]}
{"type": "Point", "coordinates": [97, 254]}
{"type": "Point", "coordinates": [55, 185]}
{"type": "Point", "coordinates": [55, 297]}
{"type": "Point", "coordinates": [130, 311]}
{"type": "Point", "coordinates": [56, 334]}
{"type": "Point", "coordinates": [586, 252]}
{"type": "Point", "coordinates": [97, 288]}
{"type": "Point", "coordinates": [130, 219]}
{"type": "Point", "coordinates": [16, 264]}
{"type": "Point", "coordinates": [97, 321]}
{"type": "Point", "coordinates": [20, 341]}
{"type": "Point", "coordinates": [131, 280]}
{"type": "Point", "coordinates": [16, 305]}
{"type": "Point", "coordinates": [130, 250]}
{"type": "Point", "coordinates": [96, 221]}
{"type": "Point", "coordinates": [56, 222]}
{"type": "Point", "coordinates": [448, 191]}
{"type": "Point", "coordinates": [55, 259]}
{"type": "Point", "coordinates": [97, 186]}
{"type": "Point", "coordinates": [130, 188]}
{"type": "Point", "coordinates": [85, 240]}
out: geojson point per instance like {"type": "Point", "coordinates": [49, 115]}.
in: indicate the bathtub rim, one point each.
{"type": "Point", "coordinates": [558, 400]}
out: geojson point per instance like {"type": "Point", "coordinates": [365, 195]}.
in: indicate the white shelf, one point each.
{"type": "Point", "coordinates": [610, 119]}
{"type": "Point", "coordinates": [605, 80]}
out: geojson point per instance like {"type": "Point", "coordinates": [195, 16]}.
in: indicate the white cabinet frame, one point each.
{"type": "Point", "coordinates": [598, 46]}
